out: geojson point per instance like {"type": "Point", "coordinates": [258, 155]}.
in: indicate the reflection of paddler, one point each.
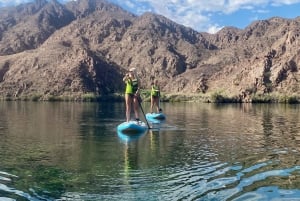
{"type": "Point", "coordinates": [154, 139]}
{"type": "Point", "coordinates": [130, 160]}
{"type": "Point", "coordinates": [126, 165]}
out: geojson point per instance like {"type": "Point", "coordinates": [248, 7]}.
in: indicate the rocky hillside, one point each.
{"type": "Point", "coordinates": [85, 46]}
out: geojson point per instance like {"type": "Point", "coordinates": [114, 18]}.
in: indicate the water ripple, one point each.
{"type": "Point", "coordinates": [218, 188]}
{"type": "Point", "coordinates": [7, 179]}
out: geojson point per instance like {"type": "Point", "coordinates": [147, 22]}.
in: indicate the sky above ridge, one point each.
{"type": "Point", "coordinates": [206, 15]}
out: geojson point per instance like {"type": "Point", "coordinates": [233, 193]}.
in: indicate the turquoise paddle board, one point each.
{"type": "Point", "coordinates": [132, 127]}
{"type": "Point", "coordinates": [155, 116]}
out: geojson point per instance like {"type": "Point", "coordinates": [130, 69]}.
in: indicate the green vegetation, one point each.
{"type": "Point", "coordinates": [88, 97]}
{"type": "Point", "coordinates": [145, 95]}
{"type": "Point", "coordinates": [179, 97]}
{"type": "Point", "coordinates": [263, 99]}
{"type": "Point", "coordinates": [276, 98]}
{"type": "Point", "coordinates": [218, 97]}
{"type": "Point", "coordinates": [292, 100]}
{"type": "Point", "coordinates": [213, 97]}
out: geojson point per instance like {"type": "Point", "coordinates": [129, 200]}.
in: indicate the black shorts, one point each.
{"type": "Point", "coordinates": [129, 95]}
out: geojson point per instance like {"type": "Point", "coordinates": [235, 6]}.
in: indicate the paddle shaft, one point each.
{"type": "Point", "coordinates": [143, 112]}
{"type": "Point", "coordinates": [159, 109]}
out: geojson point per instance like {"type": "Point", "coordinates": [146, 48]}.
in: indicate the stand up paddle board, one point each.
{"type": "Point", "coordinates": [132, 127]}
{"type": "Point", "coordinates": [155, 116]}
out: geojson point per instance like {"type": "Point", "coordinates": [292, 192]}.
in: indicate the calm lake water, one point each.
{"type": "Point", "coordinates": [71, 151]}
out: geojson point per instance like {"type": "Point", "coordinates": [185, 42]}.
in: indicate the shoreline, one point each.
{"type": "Point", "coordinates": [166, 97]}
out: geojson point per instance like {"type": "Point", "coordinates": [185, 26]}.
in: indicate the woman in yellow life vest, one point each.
{"type": "Point", "coordinates": [155, 95]}
{"type": "Point", "coordinates": [131, 94]}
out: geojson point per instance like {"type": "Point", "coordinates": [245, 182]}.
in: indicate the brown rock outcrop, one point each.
{"type": "Point", "coordinates": [85, 46]}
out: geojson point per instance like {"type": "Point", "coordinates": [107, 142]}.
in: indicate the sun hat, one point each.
{"type": "Point", "coordinates": [132, 69]}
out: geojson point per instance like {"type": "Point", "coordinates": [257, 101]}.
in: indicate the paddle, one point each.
{"type": "Point", "coordinates": [138, 99]}
{"type": "Point", "coordinates": [160, 110]}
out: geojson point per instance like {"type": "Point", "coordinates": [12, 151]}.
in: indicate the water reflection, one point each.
{"type": "Point", "coordinates": [126, 138]}
{"type": "Point", "coordinates": [72, 151]}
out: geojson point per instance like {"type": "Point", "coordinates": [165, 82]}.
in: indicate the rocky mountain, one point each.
{"type": "Point", "coordinates": [85, 46]}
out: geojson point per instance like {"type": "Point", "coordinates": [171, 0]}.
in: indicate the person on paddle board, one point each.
{"type": "Point", "coordinates": [132, 95]}
{"type": "Point", "coordinates": [155, 95]}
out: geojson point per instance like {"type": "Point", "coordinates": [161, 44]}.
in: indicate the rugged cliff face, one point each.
{"type": "Point", "coordinates": [85, 46]}
{"type": "Point", "coordinates": [265, 58]}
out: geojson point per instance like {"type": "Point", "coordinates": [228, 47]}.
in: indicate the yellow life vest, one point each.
{"type": "Point", "coordinates": [131, 86]}
{"type": "Point", "coordinates": [155, 91]}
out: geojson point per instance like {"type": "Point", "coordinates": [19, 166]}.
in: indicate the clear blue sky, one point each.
{"type": "Point", "coordinates": [207, 15]}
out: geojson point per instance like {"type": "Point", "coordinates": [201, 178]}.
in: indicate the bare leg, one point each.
{"type": "Point", "coordinates": [128, 101]}
{"type": "Point", "coordinates": [152, 103]}
{"type": "Point", "coordinates": [136, 107]}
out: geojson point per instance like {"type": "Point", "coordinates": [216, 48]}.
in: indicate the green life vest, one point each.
{"type": "Point", "coordinates": [131, 86]}
{"type": "Point", "coordinates": [155, 91]}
